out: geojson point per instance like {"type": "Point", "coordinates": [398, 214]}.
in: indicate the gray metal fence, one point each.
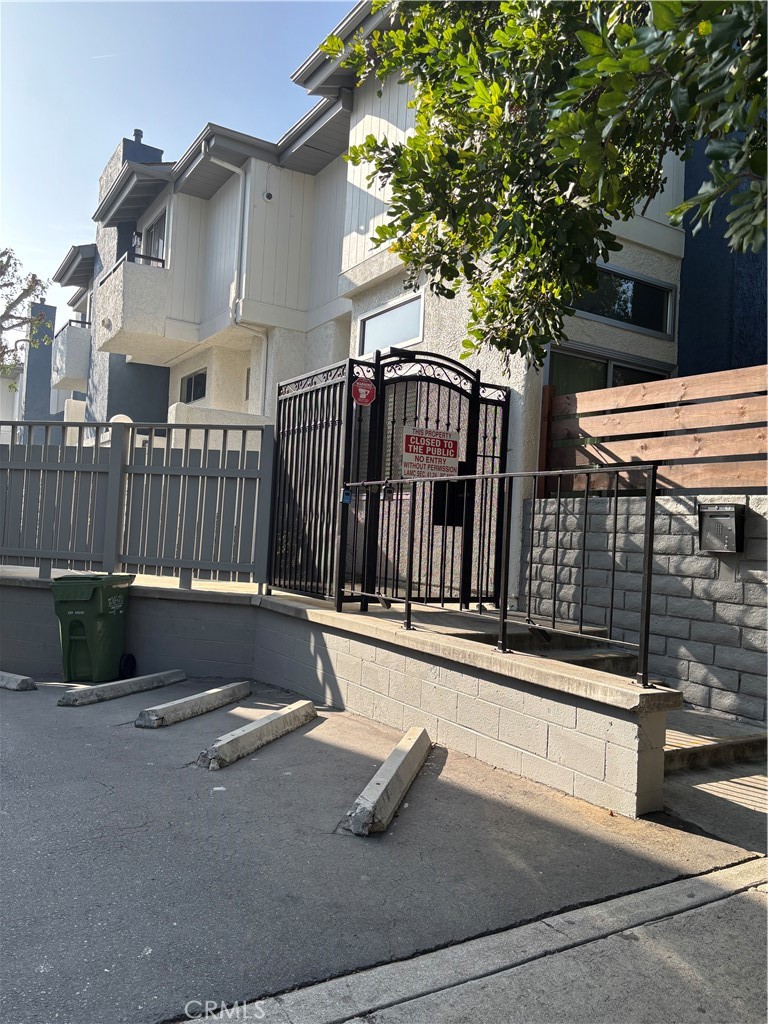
{"type": "Point", "coordinates": [153, 498]}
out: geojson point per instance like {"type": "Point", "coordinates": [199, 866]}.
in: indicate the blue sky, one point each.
{"type": "Point", "coordinates": [78, 77]}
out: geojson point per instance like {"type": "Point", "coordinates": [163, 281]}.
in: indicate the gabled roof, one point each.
{"type": "Point", "coordinates": [77, 267]}
{"type": "Point", "coordinates": [322, 75]}
{"type": "Point", "coordinates": [77, 298]}
{"type": "Point", "coordinates": [132, 192]}
{"type": "Point", "coordinates": [196, 175]}
{"type": "Point", "coordinates": [314, 141]}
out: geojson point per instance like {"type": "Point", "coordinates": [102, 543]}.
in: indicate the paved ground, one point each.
{"type": "Point", "coordinates": [729, 801]}
{"type": "Point", "coordinates": [690, 951]}
{"type": "Point", "coordinates": [137, 882]}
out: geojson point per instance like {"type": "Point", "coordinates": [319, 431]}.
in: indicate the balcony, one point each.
{"type": "Point", "coordinates": [132, 302]}
{"type": "Point", "coordinates": [71, 356]}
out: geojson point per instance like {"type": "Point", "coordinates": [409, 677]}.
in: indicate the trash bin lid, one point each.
{"type": "Point", "coordinates": [80, 587]}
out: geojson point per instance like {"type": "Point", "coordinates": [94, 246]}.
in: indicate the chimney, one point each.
{"type": "Point", "coordinates": [138, 135]}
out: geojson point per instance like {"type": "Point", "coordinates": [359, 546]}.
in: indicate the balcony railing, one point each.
{"type": "Point", "coordinates": [133, 257]}
{"type": "Point", "coordinates": [85, 324]}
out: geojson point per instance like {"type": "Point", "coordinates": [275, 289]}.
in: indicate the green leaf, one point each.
{"type": "Point", "coordinates": [665, 15]}
{"type": "Point", "coordinates": [758, 162]}
{"type": "Point", "coordinates": [592, 44]}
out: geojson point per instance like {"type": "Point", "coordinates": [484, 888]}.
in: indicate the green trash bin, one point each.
{"type": "Point", "coordinates": [91, 614]}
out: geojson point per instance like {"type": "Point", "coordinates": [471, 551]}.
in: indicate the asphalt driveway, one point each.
{"type": "Point", "coordinates": [134, 882]}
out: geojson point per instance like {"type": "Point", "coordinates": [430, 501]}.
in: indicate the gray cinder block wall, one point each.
{"type": "Point", "coordinates": [592, 739]}
{"type": "Point", "coordinates": [708, 611]}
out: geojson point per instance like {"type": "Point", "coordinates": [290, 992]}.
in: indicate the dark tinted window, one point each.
{"type": "Point", "coordinates": [632, 375]}
{"type": "Point", "coordinates": [570, 374]}
{"type": "Point", "coordinates": [193, 386]}
{"type": "Point", "coordinates": [629, 301]}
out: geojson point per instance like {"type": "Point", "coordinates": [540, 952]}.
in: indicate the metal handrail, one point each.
{"type": "Point", "coordinates": [506, 484]}
{"type": "Point", "coordinates": [132, 257]}
{"type": "Point", "coordinates": [72, 323]}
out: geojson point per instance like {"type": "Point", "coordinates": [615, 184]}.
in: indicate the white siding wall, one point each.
{"type": "Point", "coordinates": [219, 249]}
{"type": "Point", "coordinates": [672, 194]}
{"type": "Point", "coordinates": [279, 237]}
{"type": "Point", "coordinates": [328, 232]}
{"type": "Point", "coordinates": [387, 115]}
{"type": "Point", "coordinates": [187, 244]}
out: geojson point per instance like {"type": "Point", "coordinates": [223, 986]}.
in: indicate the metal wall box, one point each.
{"type": "Point", "coordinates": [721, 528]}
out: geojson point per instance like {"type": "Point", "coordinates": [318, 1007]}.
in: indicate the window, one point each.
{"type": "Point", "coordinates": [247, 383]}
{"type": "Point", "coordinates": [391, 327]}
{"type": "Point", "coordinates": [154, 238]}
{"type": "Point", "coordinates": [193, 386]}
{"type": "Point", "coordinates": [570, 373]}
{"type": "Point", "coordinates": [630, 301]}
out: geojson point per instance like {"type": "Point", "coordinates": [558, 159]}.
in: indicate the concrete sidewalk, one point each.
{"type": "Point", "coordinates": [689, 951]}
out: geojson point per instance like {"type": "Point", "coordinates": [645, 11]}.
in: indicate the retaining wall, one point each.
{"type": "Point", "coordinates": [577, 730]}
{"type": "Point", "coordinates": [708, 611]}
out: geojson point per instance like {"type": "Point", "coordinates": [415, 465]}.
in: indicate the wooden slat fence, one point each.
{"type": "Point", "coordinates": [706, 432]}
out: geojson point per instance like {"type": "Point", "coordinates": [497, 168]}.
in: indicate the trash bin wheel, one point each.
{"type": "Point", "coordinates": [127, 666]}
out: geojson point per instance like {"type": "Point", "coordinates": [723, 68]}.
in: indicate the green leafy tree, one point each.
{"type": "Point", "coordinates": [18, 291]}
{"type": "Point", "coordinates": [539, 124]}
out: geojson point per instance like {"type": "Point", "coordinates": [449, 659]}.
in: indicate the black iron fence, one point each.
{"type": "Point", "coordinates": [450, 542]}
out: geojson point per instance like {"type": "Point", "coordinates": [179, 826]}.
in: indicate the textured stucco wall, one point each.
{"type": "Point", "coordinates": [225, 381]}
{"type": "Point", "coordinates": [640, 260]}
{"type": "Point", "coordinates": [115, 386]}
{"type": "Point", "coordinates": [71, 358]}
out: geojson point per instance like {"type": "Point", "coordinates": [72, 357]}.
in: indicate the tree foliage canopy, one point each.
{"type": "Point", "coordinates": [18, 291]}
{"type": "Point", "coordinates": [538, 124]}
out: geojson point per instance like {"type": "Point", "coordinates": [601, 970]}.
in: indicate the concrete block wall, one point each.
{"type": "Point", "coordinates": [708, 611]}
{"type": "Point", "coordinates": [609, 756]}
{"type": "Point", "coordinates": [29, 632]}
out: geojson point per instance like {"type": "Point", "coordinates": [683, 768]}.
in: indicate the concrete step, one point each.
{"type": "Point", "coordinates": [536, 639]}
{"type": "Point", "coordinates": [618, 663]}
{"type": "Point", "coordinates": [698, 739]}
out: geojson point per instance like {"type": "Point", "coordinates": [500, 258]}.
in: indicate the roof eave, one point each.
{"type": "Point", "coordinates": [129, 173]}
{"type": "Point", "coordinates": [321, 74]}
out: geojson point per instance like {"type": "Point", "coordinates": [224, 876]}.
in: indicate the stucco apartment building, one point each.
{"type": "Point", "coordinates": [246, 262]}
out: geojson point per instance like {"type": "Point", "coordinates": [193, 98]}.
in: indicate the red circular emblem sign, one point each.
{"type": "Point", "coordinates": [363, 391]}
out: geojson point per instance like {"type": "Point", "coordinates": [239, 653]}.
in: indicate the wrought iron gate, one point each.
{"type": "Point", "coordinates": [347, 542]}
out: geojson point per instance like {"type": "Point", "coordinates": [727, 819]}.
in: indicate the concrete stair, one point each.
{"type": "Point", "coordinates": [699, 739]}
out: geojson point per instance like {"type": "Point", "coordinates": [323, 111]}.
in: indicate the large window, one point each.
{"type": "Point", "coordinates": [629, 300]}
{"type": "Point", "coordinates": [193, 386]}
{"type": "Point", "coordinates": [154, 238]}
{"type": "Point", "coordinates": [396, 325]}
{"type": "Point", "coordinates": [571, 373]}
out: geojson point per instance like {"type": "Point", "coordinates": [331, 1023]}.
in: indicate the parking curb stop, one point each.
{"type": "Point", "coordinates": [121, 688]}
{"type": "Point", "coordinates": [11, 681]}
{"type": "Point", "coordinates": [192, 706]}
{"type": "Point", "coordinates": [233, 745]}
{"type": "Point", "coordinates": [375, 808]}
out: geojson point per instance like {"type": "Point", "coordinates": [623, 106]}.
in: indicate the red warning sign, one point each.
{"type": "Point", "coordinates": [429, 453]}
{"type": "Point", "coordinates": [363, 391]}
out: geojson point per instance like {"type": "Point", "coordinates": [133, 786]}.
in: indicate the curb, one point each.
{"type": "Point", "coordinates": [121, 688]}
{"type": "Point", "coordinates": [233, 745]}
{"type": "Point", "coordinates": [10, 681]}
{"type": "Point", "coordinates": [746, 748]}
{"type": "Point", "coordinates": [376, 806]}
{"type": "Point", "coordinates": [189, 707]}
{"type": "Point", "coordinates": [354, 996]}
